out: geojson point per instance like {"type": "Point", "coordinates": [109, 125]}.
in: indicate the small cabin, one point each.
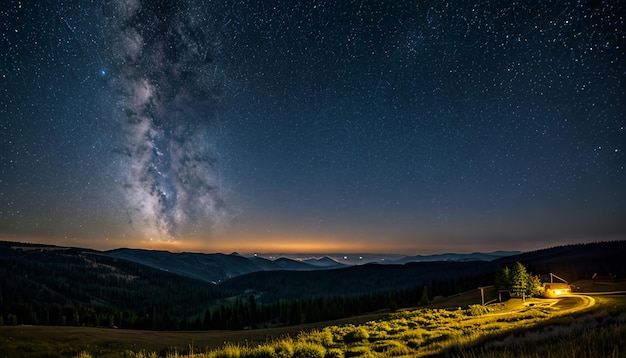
{"type": "Point", "coordinates": [556, 289]}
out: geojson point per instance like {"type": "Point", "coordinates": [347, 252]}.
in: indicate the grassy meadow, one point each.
{"type": "Point", "coordinates": [535, 328]}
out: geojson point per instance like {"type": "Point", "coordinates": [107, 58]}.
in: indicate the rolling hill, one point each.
{"type": "Point", "coordinates": [44, 284]}
{"type": "Point", "coordinates": [446, 277]}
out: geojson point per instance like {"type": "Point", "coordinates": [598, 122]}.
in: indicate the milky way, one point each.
{"type": "Point", "coordinates": [164, 60]}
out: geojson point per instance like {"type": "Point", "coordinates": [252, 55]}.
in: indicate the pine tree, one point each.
{"type": "Point", "coordinates": [206, 323]}
{"type": "Point", "coordinates": [12, 319]}
{"type": "Point", "coordinates": [75, 318]}
{"type": "Point", "coordinates": [503, 279]}
{"type": "Point", "coordinates": [253, 309]}
{"type": "Point", "coordinates": [424, 298]}
{"type": "Point", "coordinates": [518, 281]}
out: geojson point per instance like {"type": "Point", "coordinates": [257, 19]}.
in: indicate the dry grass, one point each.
{"type": "Point", "coordinates": [50, 341]}
{"type": "Point", "coordinates": [458, 332]}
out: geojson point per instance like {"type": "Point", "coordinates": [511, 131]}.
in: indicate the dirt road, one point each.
{"type": "Point", "coordinates": [574, 302]}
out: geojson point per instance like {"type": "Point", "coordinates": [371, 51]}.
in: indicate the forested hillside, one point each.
{"type": "Point", "coordinates": [68, 286]}
{"type": "Point", "coordinates": [51, 285]}
{"type": "Point", "coordinates": [574, 262]}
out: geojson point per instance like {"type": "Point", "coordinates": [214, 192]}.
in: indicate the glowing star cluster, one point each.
{"type": "Point", "coordinates": [170, 184]}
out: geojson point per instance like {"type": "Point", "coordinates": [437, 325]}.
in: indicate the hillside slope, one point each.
{"type": "Point", "coordinates": [42, 284]}
{"type": "Point", "coordinates": [573, 262]}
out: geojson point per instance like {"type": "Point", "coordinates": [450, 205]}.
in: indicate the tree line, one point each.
{"type": "Point", "coordinates": [74, 287]}
{"type": "Point", "coordinates": [85, 288]}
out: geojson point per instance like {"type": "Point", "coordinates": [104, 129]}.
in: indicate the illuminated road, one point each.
{"type": "Point", "coordinates": [574, 302]}
{"type": "Point", "coordinates": [564, 304]}
{"type": "Point", "coordinates": [604, 293]}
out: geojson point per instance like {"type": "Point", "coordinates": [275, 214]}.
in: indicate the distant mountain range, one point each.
{"type": "Point", "coordinates": [476, 256]}
{"type": "Point", "coordinates": [217, 268]}
{"type": "Point", "coordinates": [338, 260]}
{"type": "Point", "coordinates": [213, 268]}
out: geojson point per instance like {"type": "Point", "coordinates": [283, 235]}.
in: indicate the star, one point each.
{"type": "Point", "coordinates": [437, 123]}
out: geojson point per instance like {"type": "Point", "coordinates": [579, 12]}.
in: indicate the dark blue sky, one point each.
{"type": "Point", "coordinates": [362, 126]}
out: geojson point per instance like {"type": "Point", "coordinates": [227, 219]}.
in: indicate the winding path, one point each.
{"type": "Point", "coordinates": [573, 303]}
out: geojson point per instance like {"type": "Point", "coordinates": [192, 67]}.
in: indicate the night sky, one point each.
{"type": "Point", "coordinates": [408, 127]}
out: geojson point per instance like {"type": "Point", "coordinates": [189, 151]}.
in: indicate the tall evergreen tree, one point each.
{"type": "Point", "coordinates": [253, 311]}
{"type": "Point", "coordinates": [424, 298]}
{"type": "Point", "coordinates": [503, 279]}
{"type": "Point", "coordinates": [518, 281]}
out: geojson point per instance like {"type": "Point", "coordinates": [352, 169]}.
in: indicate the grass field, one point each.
{"type": "Point", "coordinates": [49, 341]}
{"type": "Point", "coordinates": [449, 327]}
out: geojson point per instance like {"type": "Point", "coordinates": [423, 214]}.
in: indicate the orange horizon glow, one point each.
{"type": "Point", "coordinates": [242, 244]}
{"type": "Point", "coordinates": [286, 244]}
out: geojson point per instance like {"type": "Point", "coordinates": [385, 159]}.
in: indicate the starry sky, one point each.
{"type": "Point", "coordinates": [409, 127]}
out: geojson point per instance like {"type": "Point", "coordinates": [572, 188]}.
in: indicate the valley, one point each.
{"type": "Point", "coordinates": [58, 302]}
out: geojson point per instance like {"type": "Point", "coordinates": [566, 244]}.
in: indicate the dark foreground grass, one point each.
{"type": "Point", "coordinates": [61, 342]}
{"type": "Point", "coordinates": [597, 334]}
{"type": "Point", "coordinates": [604, 341]}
